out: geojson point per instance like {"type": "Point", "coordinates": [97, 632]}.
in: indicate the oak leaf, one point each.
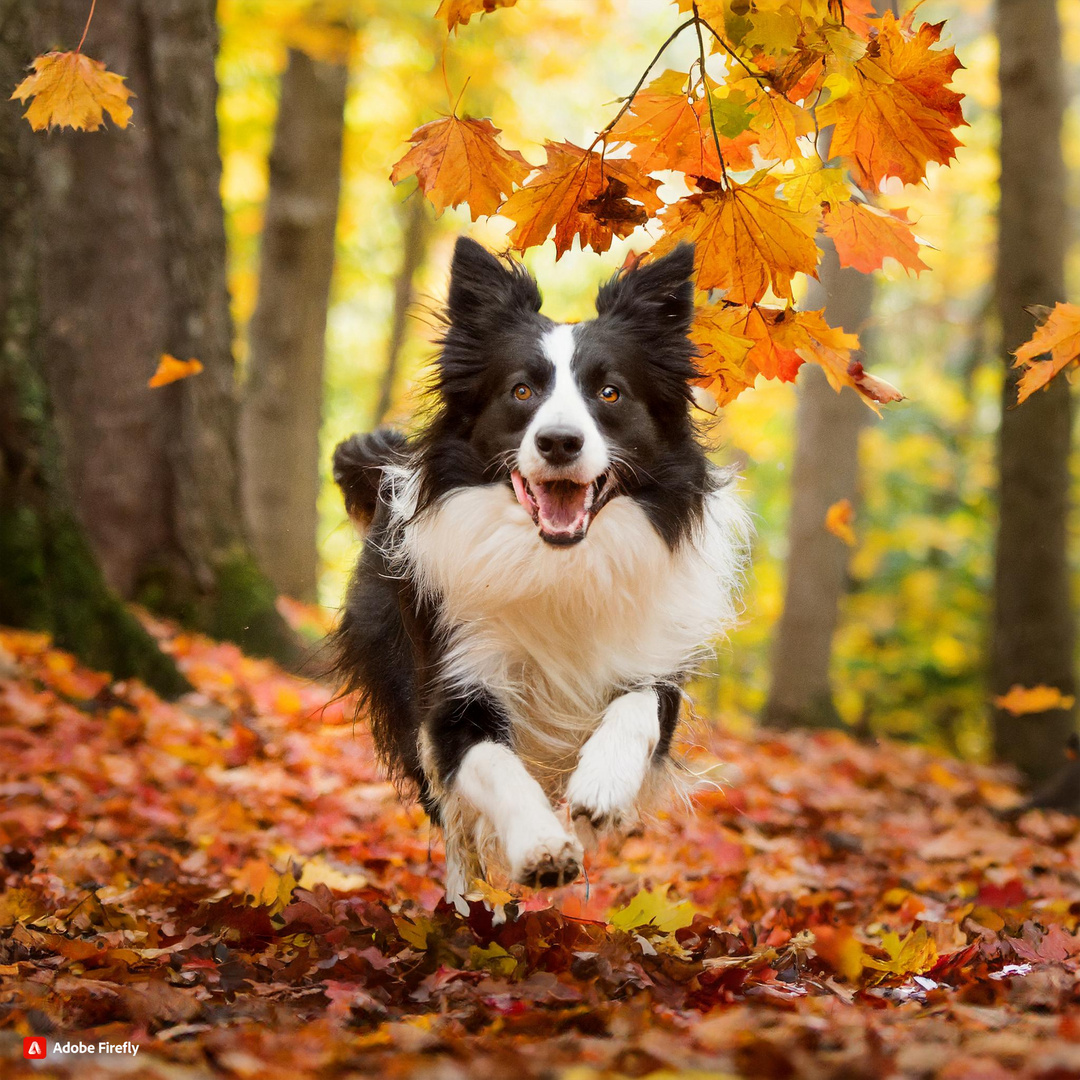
{"type": "Point", "coordinates": [170, 369]}
{"type": "Point", "coordinates": [456, 161]}
{"type": "Point", "coordinates": [72, 90]}
{"type": "Point", "coordinates": [580, 193]}
{"type": "Point", "coordinates": [459, 12]}
{"type": "Point", "coordinates": [1026, 701]}
{"type": "Point", "coordinates": [1058, 335]}
{"type": "Point", "coordinates": [865, 236]}
{"type": "Point", "coordinates": [838, 519]}
{"type": "Point", "coordinates": [898, 113]}
{"type": "Point", "coordinates": [747, 239]}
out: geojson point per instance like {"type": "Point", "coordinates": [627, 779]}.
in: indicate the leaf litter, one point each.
{"type": "Point", "coordinates": [228, 883]}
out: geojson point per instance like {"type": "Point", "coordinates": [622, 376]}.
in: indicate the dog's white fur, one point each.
{"type": "Point", "coordinates": [570, 641]}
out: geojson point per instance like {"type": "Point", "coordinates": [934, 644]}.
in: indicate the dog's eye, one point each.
{"type": "Point", "coordinates": [610, 395]}
{"type": "Point", "coordinates": [522, 392]}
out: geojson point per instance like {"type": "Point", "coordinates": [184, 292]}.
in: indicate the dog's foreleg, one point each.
{"type": "Point", "coordinates": [616, 758]}
{"type": "Point", "coordinates": [538, 849]}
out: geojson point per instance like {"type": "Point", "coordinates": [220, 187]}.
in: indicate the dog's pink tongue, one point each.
{"type": "Point", "coordinates": [563, 505]}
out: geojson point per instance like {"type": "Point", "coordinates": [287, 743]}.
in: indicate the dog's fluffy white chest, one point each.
{"type": "Point", "coordinates": [556, 633]}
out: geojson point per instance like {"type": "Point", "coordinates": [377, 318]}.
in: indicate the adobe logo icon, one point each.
{"type": "Point", "coordinates": [33, 1047]}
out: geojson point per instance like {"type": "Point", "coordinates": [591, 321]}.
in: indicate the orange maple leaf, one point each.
{"type": "Point", "coordinates": [459, 12]}
{"type": "Point", "coordinates": [71, 90]}
{"type": "Point", "coordinates": [1024, 700]}
{"type": "Point", "coordinates": [456, 161]}
{"type": "Point", "coordinates": [772, 353]}
{"type": "Point", "coordinates": [170, 370]}
{"type": "Point", "coordinates": [667, 129]}
{"type": "Point", "coordinates": [899, 113]}
{"type": "Point", "coordinates": [1058, 335]}
{"type": "Point", "coordinates": [865, 236]}
{"type": "Point", "coordinates": [838, 519]}
{"type": "Point", "coordinates": [580, 193]}
{"type": "Point", "coordinates": [747, 239]}
{"type": "Point", "coordinates": [723, 353]}
{"type": "Point", "coordinates": [777, 123]}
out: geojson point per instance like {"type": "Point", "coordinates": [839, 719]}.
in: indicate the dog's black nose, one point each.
{"type": "Point", "coordinates": [559, 446]}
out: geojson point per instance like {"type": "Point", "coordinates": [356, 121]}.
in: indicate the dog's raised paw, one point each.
{"type": "Point", "coordinates": [551, 863]}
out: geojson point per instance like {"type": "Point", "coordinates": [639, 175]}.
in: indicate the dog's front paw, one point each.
{"type": "Point", "coordinates": [550, 863]}
{"type": "Point", "coordinates": [601, 800]}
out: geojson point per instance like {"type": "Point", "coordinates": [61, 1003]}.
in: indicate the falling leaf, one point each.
{"type": "Point", "coordinates": [460, 161]}
{"type": "Point", "coordinates": [838, 519]}
{"type": "Point", "coordinates": [459, 12]}
{"type": "Point", "coordinates": [747, 239]}
{"type": "Point", "coordinates": [651, 907]}
{"type": "Point", "coordinates": [562, 190]}
{"type": "Point", "coordinates": [1059, 335]}
{"type": "Point", "coordinates": [865, 236]}
{"type": "Point", "coordinates": [71, 90]}
{"type": "Point", "coordinates": [898, 113]}
{"type": "Point", "coordinates": [170, 370]}
{"type": "Point", "coordinates": [1025, 701]}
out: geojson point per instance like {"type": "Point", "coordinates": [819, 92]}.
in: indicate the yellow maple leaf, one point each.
{"type": "Point", "coordinates": [71, 90]}
{"type": "Point", "coordinates": [723, 354]}
{"type": "Point", "coordinates": [911, 955]}
{"type": "Point", "coordinates": [838, 519]}
{"type": "Point", "coordinates": [1025, 700]}
{"type": "Point", "coordinates": [170, 369]}
{"type": "Point", "coordinates": [459, 12]}
{"type": "Point", "coordinates": [260, 883]}
{"type": "Point", "coordinates": [651, 907]}
{"type": "Point", "coordinates": [747, 239]}
{"type": "Point", "coordinates": [1058, 335]}
{"type": "Point", "coordinates": [456, 161]}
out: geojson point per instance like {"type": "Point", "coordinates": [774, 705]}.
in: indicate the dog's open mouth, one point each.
{"type": "Point", "coordinates": [563, 510]}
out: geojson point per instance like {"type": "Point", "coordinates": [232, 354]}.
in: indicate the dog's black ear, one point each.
{"type": "Point", "coordinates": [483, 286]}
{"type": "Point", "coordinates": [659, 294]}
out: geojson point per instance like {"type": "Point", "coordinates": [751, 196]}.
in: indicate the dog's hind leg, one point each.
{"type": "Point", "coordinates": [635, 729]}
{"type": "Point", "coordinates": [478, 775]}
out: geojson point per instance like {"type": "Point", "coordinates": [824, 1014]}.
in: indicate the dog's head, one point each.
{"type": "Point", "coordinates": [572, 415]}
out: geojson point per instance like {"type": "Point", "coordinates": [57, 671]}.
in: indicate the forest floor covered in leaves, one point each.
{"type": "Point", "coordinates": [227, 883]}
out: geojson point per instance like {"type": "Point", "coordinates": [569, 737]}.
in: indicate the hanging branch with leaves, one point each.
{"type": "Point", "coordinates": [744, 145]}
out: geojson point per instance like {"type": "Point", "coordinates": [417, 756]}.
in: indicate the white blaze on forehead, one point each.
{"type": "Point", "coordinates": [564, 407]}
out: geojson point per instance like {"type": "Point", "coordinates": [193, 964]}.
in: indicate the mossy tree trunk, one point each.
{"type": "Point", "coordinates": [49, 578]}
{"type": "Point", "coordinates": [1033, 634]}
{"type": "Point", "coordinates": [132, 265]}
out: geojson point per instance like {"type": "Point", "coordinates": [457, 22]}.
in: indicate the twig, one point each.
{"type": "Point", "coordinates": [697, 20]}
{"type": "Point", "coordinates": [732, 53]}
{"type": "Point", "coordinates": [640, 83]}
{"type": "Point", "coordinates": [86, 28]}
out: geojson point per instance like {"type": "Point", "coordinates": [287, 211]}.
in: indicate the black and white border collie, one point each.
{"type": "Point", "coordinates": [544, 565]}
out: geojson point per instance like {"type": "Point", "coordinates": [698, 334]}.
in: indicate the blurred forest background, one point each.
{"type": "Point", "coordinates": [303, 84]}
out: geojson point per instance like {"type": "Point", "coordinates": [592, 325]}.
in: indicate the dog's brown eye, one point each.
{"type": "Point", "coordinates": [522, 392]}
{"type": "Point", "coordinates": [609, 394]}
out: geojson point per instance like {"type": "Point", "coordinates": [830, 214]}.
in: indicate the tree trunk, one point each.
{"type": "Point", "coordinates": [825, 470]}
{"type": "Point", "coordinates": [133, 265]}
{"type": "Point", "coordinates": [1033, 632]}
{"type": "Point", "coordinates": [413, 252]}
{"type": "Point", "coordinates": [282, 409]}
{"type": "Point", "coordinates": [50, 581]}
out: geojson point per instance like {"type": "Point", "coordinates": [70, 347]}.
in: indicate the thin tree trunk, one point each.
{"type": "Point", "coordinates": [50, 580]}
{"type": "Point", "coordinates": [1033, 633]}
{"type": "Point", "coordinates": [413, 253]}
{"type": "Point", "coordinates": [825, 470]}
{"type": "Point", "coordinates": [132, 266]}
{"type": "Point", "coordinates": [282, 410]}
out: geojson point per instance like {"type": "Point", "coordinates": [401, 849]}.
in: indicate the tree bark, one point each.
{"type": "Point", "coordinates": [282, 409]}
{"type": "Point", "coordinates": [50, 581]}
{"type": "Point", "coordinates": [825, 470]}
{"type": "Point", "coordinates": [1033, 632]}
{"type": "Point", "coordinates": [132, 249]}
{"type": "Point", "coordinates": [413, 252]}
